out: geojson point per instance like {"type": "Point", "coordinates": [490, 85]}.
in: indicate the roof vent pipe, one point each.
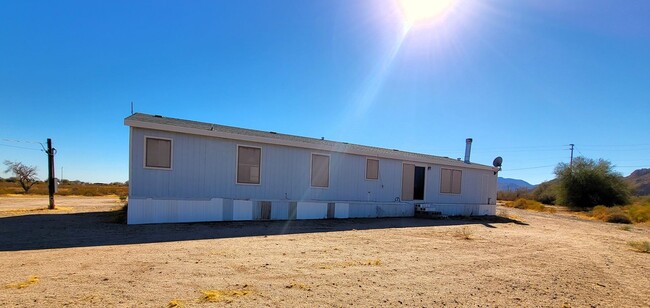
{"type": "Point", "coordinates": [468, 149]}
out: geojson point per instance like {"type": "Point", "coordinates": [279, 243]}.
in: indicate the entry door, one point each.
{"type": "Point", "coordinates": [408, 180]}
{"type": "Point", "coordinates": [412, 182]}
{"type": "Point", "coordinates": [418, 185]}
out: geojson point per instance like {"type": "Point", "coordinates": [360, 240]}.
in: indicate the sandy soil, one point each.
{"type": "Point", "coordinates": [78, 257]}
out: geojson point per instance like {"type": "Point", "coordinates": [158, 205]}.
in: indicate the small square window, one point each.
{"type": "Point", "coordinates": [158, 153]}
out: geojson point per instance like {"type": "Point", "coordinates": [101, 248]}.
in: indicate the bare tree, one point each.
{"type": "Point", "coordinates": [26, 175]}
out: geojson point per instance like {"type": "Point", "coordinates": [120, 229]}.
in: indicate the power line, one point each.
{"type": "Point", "coordinates": [617, 145]}
{"type": "Point", "coordinates": [19, 147]}
{"type": "Point", "coordinates": [19, 141]}
{"type": "Point", "coordinates": [538, 167]}
{"type": "Point", "coordinates": [616, 150]}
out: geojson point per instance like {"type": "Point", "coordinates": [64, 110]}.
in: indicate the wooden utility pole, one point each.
{"type": "Point", "coordinates": [571, 161]}
{"type": "Point", "coordinates": [50, 172]}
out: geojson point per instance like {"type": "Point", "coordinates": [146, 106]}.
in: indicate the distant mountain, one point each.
{"type": "Point", "coordinates": [507, 184]}
{"type": "Point", "coordinates": [640, 180]}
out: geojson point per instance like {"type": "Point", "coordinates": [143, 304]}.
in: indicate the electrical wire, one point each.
{"type": "Point", "coordinates": [19, 141]}
{"type": "Point", "coordinates": [527, 168]}
{"type": "Point", "coordinates": [19, 147]}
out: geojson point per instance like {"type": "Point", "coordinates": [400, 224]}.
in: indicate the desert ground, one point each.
{"type": "Point", "coordinates": [79, 256]}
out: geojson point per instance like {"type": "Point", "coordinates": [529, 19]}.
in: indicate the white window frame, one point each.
{"type": "Point", "coordinates": [237, 164]}
{"type": "Point", "coordinates": [460, 189]}
{"type": "Point", "coordinates": [378, 167]}
{"type": "Point", "coordinates": [329, 169]}
{"type": "Point", "coordinates": [171, 153]}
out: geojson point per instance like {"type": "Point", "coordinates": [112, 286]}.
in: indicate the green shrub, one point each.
{"type": "Point", "coordinates": [545, 192]}
{"type": "Point", "coordinates": [587, 183]}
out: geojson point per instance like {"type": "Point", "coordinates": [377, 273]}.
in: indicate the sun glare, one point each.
{"type": "Point", "coordinates": [416, 11]}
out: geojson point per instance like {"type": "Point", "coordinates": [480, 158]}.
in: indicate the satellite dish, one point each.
{"type": "Point", "coordinates": [497, 162]}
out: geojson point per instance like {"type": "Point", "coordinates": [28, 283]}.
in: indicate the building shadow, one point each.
{"type": "Point", "coordinates": [88, 229]}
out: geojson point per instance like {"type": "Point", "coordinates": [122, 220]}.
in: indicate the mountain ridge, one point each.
{"type": "Point", "coordinates": [508, 184]}
{"type": "Point", "coordinates": [640, 180]}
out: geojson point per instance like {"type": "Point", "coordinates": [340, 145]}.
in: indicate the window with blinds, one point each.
{"type": "Point", "coordinates": [248, 165]}
{"type": "Point", "coordinates": [320, 170]}
{"type": "Point", "coordinates": [372, 169]}
{"type": "Point", "coordinates": [158, 153]}
{"type": "Point", "coordinates": [450, 181]}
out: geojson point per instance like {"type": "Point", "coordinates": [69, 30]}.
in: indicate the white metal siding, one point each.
{"type": "Point", "coordinates": [204, 168]}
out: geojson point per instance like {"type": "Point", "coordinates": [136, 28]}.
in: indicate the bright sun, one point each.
{"type": "Point", "coordinates": [416, 11]}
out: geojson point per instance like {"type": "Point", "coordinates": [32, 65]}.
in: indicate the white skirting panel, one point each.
{"type": "Point", "coordinates": [146, 211]}
{"type": "Point", "coordinates": [311, 210]}
{"type": "Point", "coordinates": [342, 210]}
{"type": "Point", "coordinates": [380, 209]}
{"type": "Point", "coordinates": [242, 210]}
{"type": "Point", "coordinates": [463, 209]}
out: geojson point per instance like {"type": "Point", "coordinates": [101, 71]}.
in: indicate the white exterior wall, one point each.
{"type": "Point", "coordinates": [204, 168]}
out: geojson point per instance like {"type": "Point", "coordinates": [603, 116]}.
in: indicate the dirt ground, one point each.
{"type": "Point", "coordinates": [77, 256]}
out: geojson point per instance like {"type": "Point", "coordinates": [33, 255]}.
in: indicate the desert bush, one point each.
{"type": "Point", "coordinates": [465, 233]}
{"type": "Point", "coordinates": [618, 216]}
{"type": "Point", "coordinates": [599, 212]}
{"type": "Point", "coordinates": [614, 214]}
{"type": "Point", "coordinates": [639, 212]}
{"type": "Point", "coordinates": [511, 195]}
{"type": "Point", "coordinates": [588, 183]}
{"type": "Point", "coordinates": [545, 192]}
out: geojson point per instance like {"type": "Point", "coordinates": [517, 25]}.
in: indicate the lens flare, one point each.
{"type": "Point", "coordinates": [417, 11]}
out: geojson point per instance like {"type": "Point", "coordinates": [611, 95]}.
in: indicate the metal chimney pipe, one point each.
{"type": "Point", "coordinates": [468, 149]}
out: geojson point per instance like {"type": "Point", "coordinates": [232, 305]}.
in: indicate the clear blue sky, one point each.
{"type": "Point", "coordinates": [523, 78]}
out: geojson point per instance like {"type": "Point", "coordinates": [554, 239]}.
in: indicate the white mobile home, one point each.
{"type": "Point", "coordinates": [186, 171]}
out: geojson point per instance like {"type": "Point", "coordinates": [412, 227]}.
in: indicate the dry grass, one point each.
{"type": "Point", "coordinates": [527, 204]}
{"type": "Point", "coordinates": [637, 212]}
{"type": "Point", "coordinates": [222, 253]}
{"type": "Point", "coordinates": [610, 214]}
{"type": "Point", "coordinates": [72, 189]}
{"type": "Point", "coordinates": [227, 295]}
{"type": "Point", "coordinates": [640, 246]}
{"type": "Point", "coordinates": [465, 233]}
{"type": "Point", "coordinates": [23, 284]}
{"type": "Point", "coordinates": [40, 209]}
{"type": "Point", "coordinates": [175, 303]}
{"type": "Point", "coordinates": [626, 228]}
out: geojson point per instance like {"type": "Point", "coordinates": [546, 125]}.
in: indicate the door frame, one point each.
{"type": "Point", "coordinates": [424, 193]}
